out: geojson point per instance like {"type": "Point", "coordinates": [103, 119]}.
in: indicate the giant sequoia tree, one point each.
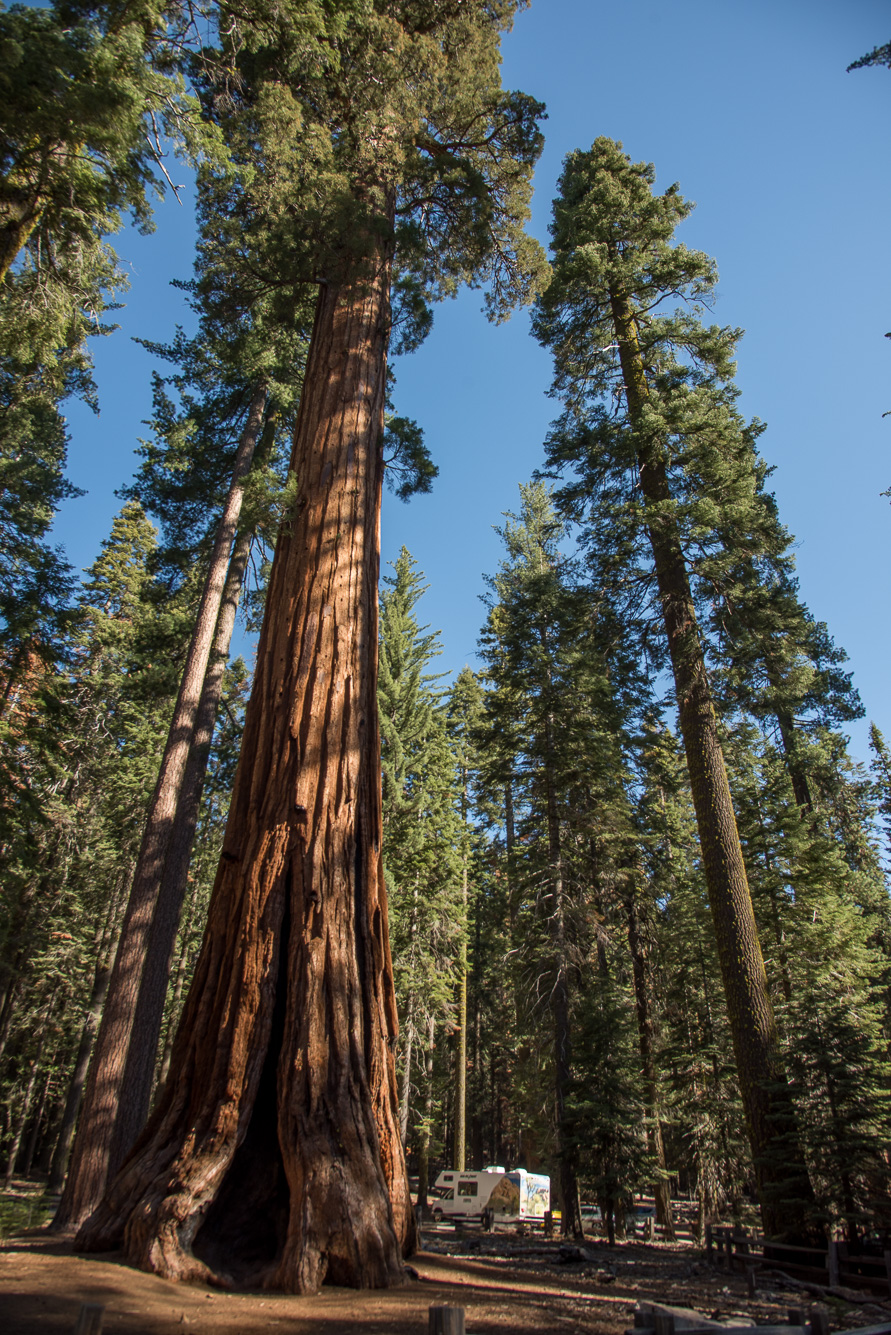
{"type": "Point", "coordinates": [676, 464]}
{"type": "Point", "coordinates": [274, 1152]}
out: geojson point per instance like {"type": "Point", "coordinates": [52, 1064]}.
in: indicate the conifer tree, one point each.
{"type": "Point", "coordinates": [463, 712]}
{"type": "Point", "coordinates": [89, 92]}
{"type": "Point", "coordinates": [386, 137]}
{"type": "Point", "coordinates": [679, 438]}
{"type": "Point", "coordinates": [547, 700]}
{"type": "Point", "coordinates": [881, 768]}
{"type": "Point", "coordinates": [90, 789]}
{"type": "Point", "coordinates": [419, 820]}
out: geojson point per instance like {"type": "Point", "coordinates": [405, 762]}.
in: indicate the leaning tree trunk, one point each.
{"type": "Point", "coordinates": [148, 1017]}
{"type": "Point", "coordinates": [273, 1156]}
{"type": "Point", "coordinates": [109, 1123]}
{"type": "Point", "coordinates": [784, 1189]}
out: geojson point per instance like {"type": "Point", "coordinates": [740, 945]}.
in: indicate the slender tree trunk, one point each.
{"type": "Point", "coordinates": [789, 737]}
{"type": "Point", "coordinates": [149, 1014]}
{"type": "Point", "coordinates": [775, 914]}
{"type": "Point", "coordinates": [783, 1186]}
{"type": "Point", "coordinates": [479, 1079]}
{"type": "Point", "coordinates": [646, 1032]}
{"type": "Point", "coordinates": [101, 980]}
{"type": "Point", "coordinates": [408, 1050]}
{"type": "Point", "coordinates": [426, 1133]}
{"type": "Point", "coordinates": [9, 1004]}
{"type": "Point", "coordinates": [460, 1126]}
{"type": "Point", "coordinates": [109, 1123]}
{"type": "Point", "coordinates": [410, 1026]}
{"type": "Point", "coordinates": [571, 1215]}
{"type": "Point", "coordinates": [36, 1120]}
{"type": "Point", "coordinates": [24, 1109]}
{"type": "Point", "coordinates": [274, 1156]}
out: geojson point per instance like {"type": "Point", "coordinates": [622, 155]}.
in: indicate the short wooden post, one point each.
{"type": "Point", "coordinates": [446, 1321]}
{"type": "Point", "coordinates": [664, 1323]}
{"type": "Point", "coordinates": [89, 1319]}
{"type": "Point", "coordinates": [819, 1321]}
{"type": "Point", "coordinates": [708, 1243]}
{"type": "Point", "coordinates": [649, 1228]}
{"type": "Point", "coordinates": [728, 1250]}
{"type": "Point", "coordinates": [549, 1223]}
{"type": "Point", "coordinates": [797, 1316]}
{"type": "Point", "coordinates": [750, 1280]}
{"type": "Point", "coordinates": [832, 1263]}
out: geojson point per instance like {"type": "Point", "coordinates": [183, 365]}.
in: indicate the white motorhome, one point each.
{"type": "Point", "coordinates": [510, 1196]}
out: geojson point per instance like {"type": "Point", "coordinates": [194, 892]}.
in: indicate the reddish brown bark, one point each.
{"type": "Point", "coordinates": [274, 1153]}
{"type": "Point", "coordinates": [109, 1122]}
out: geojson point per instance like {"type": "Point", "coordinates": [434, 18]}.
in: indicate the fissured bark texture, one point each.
{"type": "Point", "coordinates": [274, 1154]}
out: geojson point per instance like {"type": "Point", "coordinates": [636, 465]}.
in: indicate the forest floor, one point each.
{"type": "Point", "coordinates": [505, 1283]}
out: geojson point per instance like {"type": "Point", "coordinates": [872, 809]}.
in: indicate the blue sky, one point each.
{"type": "Point", "coordinates": [748, 106]}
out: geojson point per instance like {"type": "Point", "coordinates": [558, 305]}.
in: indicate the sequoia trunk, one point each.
{"type": "Point", "coordinates": [273, 1156]}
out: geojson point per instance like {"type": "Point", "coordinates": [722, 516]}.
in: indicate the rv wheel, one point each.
{"type": "Point", "coordinates": [437, 1215]}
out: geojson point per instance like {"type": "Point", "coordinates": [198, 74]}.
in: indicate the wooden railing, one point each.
{"type": "Point", "coordinates": [656, 1319]}
{"type": "Point", "coordinates": [833, 1265]}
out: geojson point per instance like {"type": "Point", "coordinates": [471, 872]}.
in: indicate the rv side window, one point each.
{"type": "Point", "coordinates": [467, 1189]}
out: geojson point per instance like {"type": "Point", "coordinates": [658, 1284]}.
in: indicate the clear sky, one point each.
{"type": "Point", "coordinates": [746, 105]}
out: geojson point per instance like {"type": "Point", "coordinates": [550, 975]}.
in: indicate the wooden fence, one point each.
{"type": "Point", "coordinates": [829, 1266]}
{"type": "Point", "coordinates": [657, 1319]}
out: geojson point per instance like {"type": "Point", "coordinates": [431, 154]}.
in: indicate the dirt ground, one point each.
{"type": "Point", "coordinates": [506, 1284]}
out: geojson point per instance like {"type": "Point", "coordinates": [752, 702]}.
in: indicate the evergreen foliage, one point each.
{"type": "Point", "coordinates": [421, 831]}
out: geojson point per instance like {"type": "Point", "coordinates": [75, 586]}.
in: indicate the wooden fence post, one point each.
{"type": "Point", "coordinates": [728, 1250]}
{"type": "Point", "coordinates": [708, 1243]}
{"type": "Point", "coordinates": [750, 1280]}
{"type": "Point", "coordinates": [664, 1323]}
{"type": "Point", "coordinates": [832, 1263]}
{"type": "Point", "coordinates": [446, 1321]}
{"type": "Point", "coordinates": [89, 1319]}
{"type": "Point", "coordinates": [819, 1321]}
